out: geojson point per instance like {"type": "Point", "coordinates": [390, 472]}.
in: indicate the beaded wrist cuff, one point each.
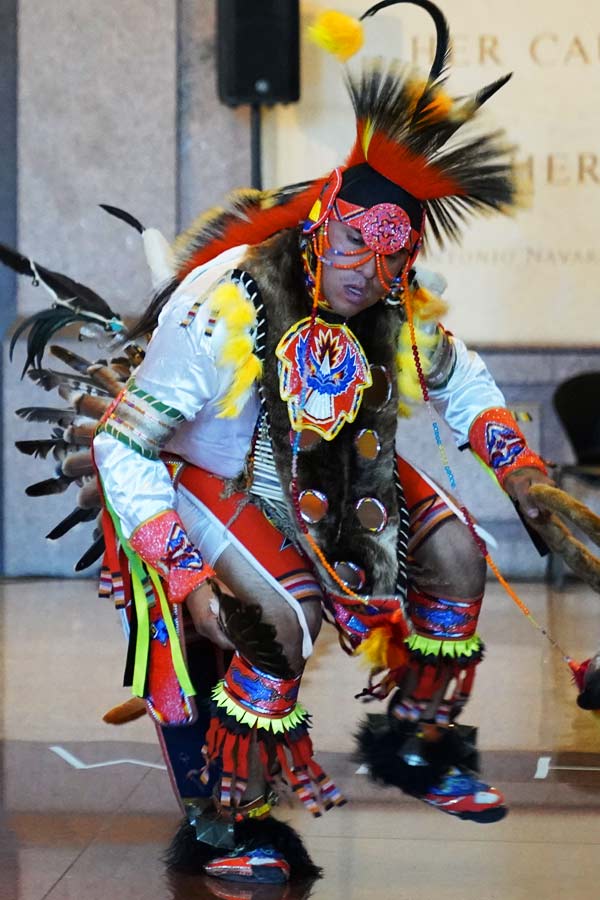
{"type": "Point", "coordinates": [162, 542]}
{"type": "Point", "coordinates": [496, 438]}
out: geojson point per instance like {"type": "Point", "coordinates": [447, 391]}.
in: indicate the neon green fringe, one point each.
{"type": "Point", "coordinates": [455, 649]}
{"type": "Point", "coordinates": [138, 571]}
{"type": "Point", "coordinates": [278, 726]}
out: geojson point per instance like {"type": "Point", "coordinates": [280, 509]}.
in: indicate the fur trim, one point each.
{"type": "Point", "coordinates": [276, 265]}
{"type": "Point", "coordinates": [258, 832]}
{"type": "Point", "coordinates": [395, 755]}
{"type": "Point", "coordinates": [188, 855]}
{"type": "Point", "coordinates": [249, 217]}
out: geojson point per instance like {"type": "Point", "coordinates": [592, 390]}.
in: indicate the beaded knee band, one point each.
{"type": "Point", "coordinates": [443, 619]}
{"type": "Point", "coordinates": [252, 696]}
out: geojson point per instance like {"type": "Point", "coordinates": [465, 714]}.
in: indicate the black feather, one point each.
{"type": "Point", "coordinates": [442, 50]}
{"type": "Point", "coordinates": [16, 261]}
{"type": "Point", "coordinates": [188, 855]}
{"type": "Point", "coordinates": [74, 518]}
{"type": "Point", "coordinates": [49, 379]}
{"type": "Point", "coordinates": [49, 486]}
{"type": "Point", "coordinates": [124, 216]}
{"type": "Point", "coordinates": [61, 417]}
{"type": "Point", "coordinates": [80, 297]}
{"type": "Point", "coordinates": [41, 448]}
{"type": "Point", "coordinates": [42, 325]}
{"type": "Point", "coordinates": [90, 556]}
{"type": "Point", "coordinates": [255, 639]}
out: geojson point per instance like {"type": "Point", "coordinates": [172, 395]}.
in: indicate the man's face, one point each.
{"type": "Point", "coordinates": [350, 291]}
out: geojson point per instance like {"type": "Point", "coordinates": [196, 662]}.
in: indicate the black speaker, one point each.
{"type": "Point", "coordinates": [258, 51]}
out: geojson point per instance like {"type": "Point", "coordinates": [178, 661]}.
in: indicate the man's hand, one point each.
{"type": "Point", "coordinates": [517, 485]}
{"type": "Point", "coordinates": [204, 610]}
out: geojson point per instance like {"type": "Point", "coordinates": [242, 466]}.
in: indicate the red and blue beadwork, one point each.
{"type": "Point", "coordinates": [497, 439]}
{"type": "Point", "coordinates": [443, 619]}
{"type": "Point", "coordinates": [258, 692]}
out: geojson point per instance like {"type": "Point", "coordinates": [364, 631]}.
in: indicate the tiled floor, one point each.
{"type": "Point", "coordinates": [88, 809]}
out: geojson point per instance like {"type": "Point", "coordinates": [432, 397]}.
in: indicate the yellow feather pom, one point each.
{"type": "Point", "coordinates": [236, 350]}
{"type": "Point", "coordinates": [374, 649]}
{"type": "Point", "coordinates": [245, 377]}
{"type": "Point", "coordinates": [224, 297]}
{"type": "Point", "coordinates": [240, 317]}
{"type": "Point", "coordinates": [337, 33]}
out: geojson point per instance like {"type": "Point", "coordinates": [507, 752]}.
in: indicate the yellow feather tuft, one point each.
{"type": "Point", "coordinates": [230, 304]}
{"type": "Point", "coordinates": [240, 317]}
{"type": "Point", "coordinates": [225, 297]}
{"type": "Point", "coordinates": [245, 377]}
{"type": "Point", "coordinates": [374, 649]}
{"type": "Point", "coordinates": [236, 350]}
{"type": "Point", "coordinates": [337, 33]}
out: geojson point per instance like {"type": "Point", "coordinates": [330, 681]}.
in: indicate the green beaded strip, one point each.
{"type": "Point", "coordinates": [141, 422]}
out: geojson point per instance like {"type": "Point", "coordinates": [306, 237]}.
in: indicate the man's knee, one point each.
{"type": "Point", "coordinates": [449, 562]}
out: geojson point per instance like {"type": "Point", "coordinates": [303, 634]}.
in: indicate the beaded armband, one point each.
{"type": "Point", "coordinates": [496, 438]}
{"type": "Point", "coordinates": [162, 542]}
{"type": "Point", "coordinates": [140, 421]}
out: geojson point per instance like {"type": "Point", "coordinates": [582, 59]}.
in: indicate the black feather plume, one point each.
{"type": "Point", "coordinates": [41, 448]}
{"type": "Point", "coordinates": [74, 518]}
{"type": "Point", "coordinates": [91, 555]}
{"type": "Point", "coordinates": [255, 639]}
{"type": "Point", "coordinates": [124, 216]}
{"type": "Point", "coordinates": [49, 486]}
{"type": "Point", "coordinates": [81, 298]}
{"type": "Point", "coordinates": [442, 50]}
{"type": "Point", "coordinates": [61, 417]}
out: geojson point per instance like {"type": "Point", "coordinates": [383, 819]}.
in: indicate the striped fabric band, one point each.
{"type": "Point", "coordinates": [425, 517]}
{"type": "Point", "coordinates": [142, 422]}
{"type": "Point", "coordinates": [301, 584]}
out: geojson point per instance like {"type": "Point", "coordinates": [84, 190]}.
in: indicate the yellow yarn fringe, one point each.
{"type": "Point", "coordinates": [427, 307]}
{"type": "Point", "coordinates": [229, 304]}
{"type": "Point", "coordinates": [337, 33]}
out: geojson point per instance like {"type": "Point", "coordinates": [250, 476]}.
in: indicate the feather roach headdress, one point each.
{"type": "Point", "coordinates": [406, 152]}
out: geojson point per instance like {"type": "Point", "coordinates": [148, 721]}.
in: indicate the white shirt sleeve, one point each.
{"type": "Point", "coordinates": [468, 392]}
{"type": "Point", "coordinates": [179, 370]}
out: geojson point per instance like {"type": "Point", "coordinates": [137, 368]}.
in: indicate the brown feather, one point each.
{"type": "Point", "coordinates": [126, 712]}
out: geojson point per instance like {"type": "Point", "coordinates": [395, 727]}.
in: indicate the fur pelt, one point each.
{"type": "Point", "coordinates": [558, 537]}
{"type": "Point", "coordinates": [189, 856]}
{"type": "Point", "coordinates": [333, 467]}
{"type": "Point", "coordinates": [281, 836]}
{"type": "Point", "coordinates": [388, 750]}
